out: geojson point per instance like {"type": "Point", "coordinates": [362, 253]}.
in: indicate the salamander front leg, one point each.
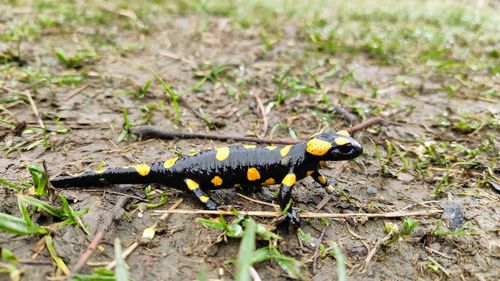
{"type": "Point", "coordinates": [324, 182]}
{"type": "Point", "coordinates": [202, 196]}
{"type": "Point", "coordinates": [285, 198]}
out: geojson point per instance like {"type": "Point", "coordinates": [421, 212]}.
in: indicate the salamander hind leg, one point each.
{"type": "Point", "coordinates": [329, 185]}
{"type": "Point", "coordinates": [201, 195]}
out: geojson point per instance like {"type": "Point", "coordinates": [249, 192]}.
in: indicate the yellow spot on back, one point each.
{"type": "Point", "coordinates": [288, 180]}
{"type": "Point", "coordinates": [249, 146]}
{"type": "Point", "coordinates": [343, 133]}
{"type": "Point", "coordinates": [330, 189]}
{"type": "Point", "coordinates": [142, 169]}
{"type": "Point", "coordinates": [322, 179]}
{"type": "Point", "coordinates": [170, 162]}
{"type": "Point", "coordinates": [310, 172]}
{"type": "Point", "coordinates": [204, 198]}
{"type": "Point", "coordinates": [341, 141]}
{"type": "Point", "coordinates": [271, 147]}
{"type": "Point", "coordinates": [318, 147]}
{"type": "Point", "coordinates": [217, 181]}
{"type": "Point", "coordinates": [269, 181]}
{"type": "Point", "coordinates": [253, 174]}
{"type": "Point", "coordinates": [284, 151]}
{"type": "Point", "coordinates": [191, 184]}
{"type": "Point", "coordinates": [222, 153]}
{"type": "Point", "coordinates": [322, 163]}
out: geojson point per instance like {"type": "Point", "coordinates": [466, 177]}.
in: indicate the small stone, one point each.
{"type": "Point", "coordinates": [372, 190]}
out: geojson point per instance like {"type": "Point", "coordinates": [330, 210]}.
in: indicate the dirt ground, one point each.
{"type": "Point", "coordinates": [438, 149]}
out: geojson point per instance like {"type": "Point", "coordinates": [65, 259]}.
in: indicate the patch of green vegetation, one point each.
{"type": "Point", "coordinates": [9, 266]}
{"type": "Point", "coordinates": [465, 229]}
{"type": "Point", "coordinates": [25, 225]}
{"type": "Point", "coordinates": [75, 60]}
{"type": "Point", "coordinates": [246, 228]}
{"type": "Point", "coordinates": [409, 225]}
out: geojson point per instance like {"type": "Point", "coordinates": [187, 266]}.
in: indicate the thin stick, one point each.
{"type": "Point", "coordinates": [368, 123]}
{"type": "Point", "coordinates": [316, 251]}
{"type": "Point", "coordinates": [257, 201]}
{"type": "Point", "coordinates": [307, 214]}
{"type": "Point", "coordinates": [115, 214]}
{"type": "Point", "coordinates": [151, 132]}
{"type": "Point", "coordinates": [374, 250]}
{"type": "Point", "coordinates": [35, 110]}
{"type": "Point", "coordinates": [254, 274]}
{"type": "Point", "coordinates": [265, 124]}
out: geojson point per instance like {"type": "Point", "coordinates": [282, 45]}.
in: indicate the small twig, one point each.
{"type": "Point", "coordinates": [254, 274]}
{"type": "Point", "coordinates": [308, 214]}
{"type": "Point", "coordinates": [344, 112]}
{"type": "Point", "coordinates": [263, 113]}
{"type": "Point", "coordinates": [374, 250]}
{"type": "Point", "coordinates": [257, 201]}
{"type": "Point", "coordinates": [151, 132]}
{"type": "Point", "coordinates": [75, 92]}
{"type": "Point", "coordinates": [115, 214]}
{"type": "Point", "coordinates": [438, 253]}
{"type": "Point", "coordinates": [439, 266]}
{"type": "Point", "coordinates": [35, 110]}
{"type": "Point", "coordinates": [368, 123]}
{"type": "Point", "coordinates": [316, 255]}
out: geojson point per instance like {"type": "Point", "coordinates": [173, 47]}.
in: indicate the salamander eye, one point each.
{"type": "Point", "coordinates": [346, 148]}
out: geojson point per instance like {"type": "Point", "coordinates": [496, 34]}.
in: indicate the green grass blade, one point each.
{"type": "Point", "coordinates": [47, 207]}
{"type": "Point", "coordinates": [52, 251]}
{"type": "Point", "coordinates": [18, 226]}
{"type": "Point", "coordinates": [247, 247]}
{"type": "Point", "coordinates": [10, 185]}
{"type": "Point", "coordinates": [121, 270]}
{"type": "Point", "coordinates": [341, 268]}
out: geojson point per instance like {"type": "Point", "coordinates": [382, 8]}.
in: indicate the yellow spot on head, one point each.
{"type": "Point", "coordinates": [318, 147]}
{"type": "Point", "coordinates": [288, 180]}
{"type": "Point", "coordinates": [310, 172]}
{"type": "Point", "coordinates": [249, 146]}
{"type": "Point", "coordinates": [341, 141]}
{"type": "Point", "coordinates": [222, 153]}
{"type": "Point", "coordinates": [191, 184]}
{"type": "Point", "coordinates": [343, 133]}
{"type": "Point", "coordinates": [217, 181]}
{"type": "Point", "coordinates": [284, 151]}
{"type": "Point", "coordinates": [253, 174]}
{"type": "Point", "coordinates": [269, 181]}
{"type": "Point", "coordinates": [170, 162]}
{"type": "Point", "coordinates": [142, 169]}
{"type": "Point", "coordinates": [271, 147]}
{"type": "Point", "coordinates": [204, 198]}
{"type": "Point", "coordinates": [322, 179]}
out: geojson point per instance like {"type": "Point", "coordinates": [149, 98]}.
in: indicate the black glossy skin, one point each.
{"type": "Point", "coordinates": [237, 169]}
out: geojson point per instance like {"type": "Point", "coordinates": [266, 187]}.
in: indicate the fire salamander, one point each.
{"type": "Point", "coordinates": [235, 166]}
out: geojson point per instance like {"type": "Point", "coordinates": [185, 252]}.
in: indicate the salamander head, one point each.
{"type": "Point", "coordinates": [334, 146]}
